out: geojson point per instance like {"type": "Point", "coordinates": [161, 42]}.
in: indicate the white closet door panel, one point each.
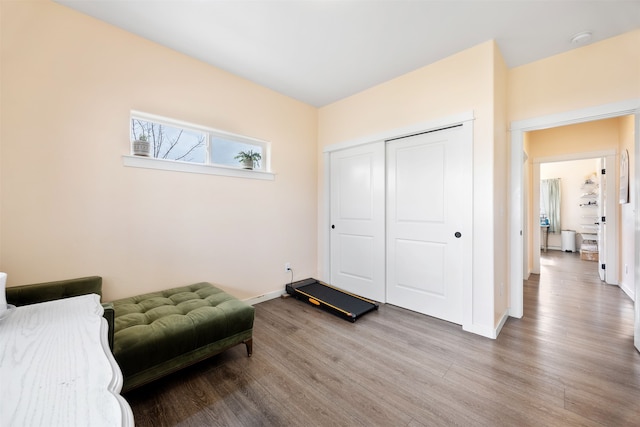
{"type": "Point", "coordinates": [360, 265]}
{"type": "Point", "coordinates": [357, 220]}
{"type": "Point", "coordinates": [427, 180]}
{"type": "Point", "coordinates": [420, 183]}
{"type": "Point", "coordinates": [413, 274]}
{"type": "Point", "coordinates": [356, 192]}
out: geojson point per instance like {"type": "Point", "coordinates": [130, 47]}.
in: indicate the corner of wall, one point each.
{"type": "Point", "coordinates": [501, 156]}
{"type": "Point", "coordinates": [627, 213]}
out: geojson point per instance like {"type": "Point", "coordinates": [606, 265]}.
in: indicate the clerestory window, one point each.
{"type": "Point", "coordinates": [177, 141]}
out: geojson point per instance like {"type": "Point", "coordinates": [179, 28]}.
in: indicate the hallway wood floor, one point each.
{"type": "Point", "coordinates": [569, 361]}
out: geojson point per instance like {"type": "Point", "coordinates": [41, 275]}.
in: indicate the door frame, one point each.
{"type": "Point", "coordinates": [456, 119]}
{"type": "Point", "coordinates": [611, 236]}
{"type": "Point", "coordinates": [518, 193]}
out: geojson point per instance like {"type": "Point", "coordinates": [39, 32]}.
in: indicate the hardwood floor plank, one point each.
{"type": "Point", "coordinates": [569, 361]}
{"type": "Point", "coordinates": [581, 401]}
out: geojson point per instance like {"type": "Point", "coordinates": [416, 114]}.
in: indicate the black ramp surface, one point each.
{"type": "Point", "coordinates": [331, 299]}
{"type": "Point", "coordinates": [335, 297]}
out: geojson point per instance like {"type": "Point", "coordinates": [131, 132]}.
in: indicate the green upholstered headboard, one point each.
{"type": "Point", "coordinates": [49, 291]}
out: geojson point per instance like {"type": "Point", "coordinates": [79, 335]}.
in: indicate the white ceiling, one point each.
{"type": "Point", "coordinates": [320, 51]}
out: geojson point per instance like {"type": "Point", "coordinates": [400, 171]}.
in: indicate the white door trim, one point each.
{"type": "Point", "coordinates": [403, 131]}
{"type": "Point", "coordinates": [516, 239]}
{"type": "Point", "coordinates": [598, 112]}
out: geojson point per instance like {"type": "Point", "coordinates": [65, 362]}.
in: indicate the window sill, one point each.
{"type": "Point", "coordinates": [177, 166]}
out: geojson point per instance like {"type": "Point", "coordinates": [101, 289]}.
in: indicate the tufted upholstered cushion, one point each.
{"type": "Point", "coordinates": [161, 332]}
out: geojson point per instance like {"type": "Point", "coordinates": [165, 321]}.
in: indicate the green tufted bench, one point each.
{"type": "Point", "coordinates": [155, 334]}
{"type": "Point", "coordinates": [161, 332]}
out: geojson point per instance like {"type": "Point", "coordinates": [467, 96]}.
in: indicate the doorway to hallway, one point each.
{"type": "Point", "coordinates": [520, 190]}
{"type": "Point", "coordinates": [575, 210]}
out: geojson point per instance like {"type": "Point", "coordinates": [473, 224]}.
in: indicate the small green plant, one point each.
{"type": "Point", "coordinates": [142, 137]}
{"type": "Point", "coordinates": [249, 156]}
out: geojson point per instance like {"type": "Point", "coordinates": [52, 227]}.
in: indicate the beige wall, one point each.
{"type": "Point", "coordinates": [501, 189]}
{"type": "Point", "coordinates": [69, 206]}
{"type": "Point", "coordinates": [596, 74]}
{"type": "Point", "coordinates": [580, 138]}
{"type": "Point", "coordinates": [460, 83]}
{"type": "Point", "coordinates": [628, 211]}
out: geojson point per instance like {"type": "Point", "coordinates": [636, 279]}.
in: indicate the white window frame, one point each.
{"type": "Point", "coordinates": [208, 168]}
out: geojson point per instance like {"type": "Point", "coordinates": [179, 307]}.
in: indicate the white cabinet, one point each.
{"type": "Point", "coordinates": [589, 225]}
{"type": "Point", "coordinates": [56, 368]}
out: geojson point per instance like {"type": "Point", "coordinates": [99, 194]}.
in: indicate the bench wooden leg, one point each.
{"type": "Point", "coordinates": [249, 344]}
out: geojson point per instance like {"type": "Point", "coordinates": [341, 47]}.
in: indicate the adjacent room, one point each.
{"type": "Point", "coordinates": [170, 169]}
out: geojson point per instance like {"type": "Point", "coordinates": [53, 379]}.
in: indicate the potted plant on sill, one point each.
{"type": "Point", "coordinates": [141, 147]}
{"type": "Point", "coordinates": [249, 159]}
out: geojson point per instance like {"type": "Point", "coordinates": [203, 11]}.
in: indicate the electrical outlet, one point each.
{"type": "Point", "coordinates": [287, 267]}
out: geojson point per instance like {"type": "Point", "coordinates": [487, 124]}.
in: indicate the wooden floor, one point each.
{"type": "Point", "coordinates": [569, 361]}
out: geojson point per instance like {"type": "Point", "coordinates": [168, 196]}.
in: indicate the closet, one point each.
{"type": "Point", "coordinates": [401, 220]}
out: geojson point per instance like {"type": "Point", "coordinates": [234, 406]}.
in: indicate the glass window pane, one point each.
{"type": "Point", "coordinates": [172, 143]}
{"type": "Point", "coordinates": [224, 151]}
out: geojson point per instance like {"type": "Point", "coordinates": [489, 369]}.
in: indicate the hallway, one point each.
{"type": "Point", "coordinates": [585, 328]}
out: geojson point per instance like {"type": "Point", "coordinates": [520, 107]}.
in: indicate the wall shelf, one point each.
{"type": "Point", "coordinates": [589, 245]}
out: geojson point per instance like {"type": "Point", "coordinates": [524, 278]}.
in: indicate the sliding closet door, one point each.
{"type": "Point", "coordinates": [428, 222]}
{"type": "Point", "coordinates": [357, 220]}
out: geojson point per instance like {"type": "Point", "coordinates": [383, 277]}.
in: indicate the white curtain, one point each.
{"type": "Point", "coordinates": [550, 202]}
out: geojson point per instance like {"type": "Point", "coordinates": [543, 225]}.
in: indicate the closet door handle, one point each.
{"type": "Point", "coordinates": [458, 234]}
{"type": "Point", "coordinates": [333, 226]}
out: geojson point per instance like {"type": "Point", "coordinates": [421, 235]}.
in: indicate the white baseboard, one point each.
{"type": "Point", "coordinates": [480, 330]}
{"type": "Point", "coordinates": [488, 332]}
{"type": "Point", "coordinates": [502, 321]}
{"type": "Point", "coordinates": [265, 297]}
{"type": "Point", "coordinates": [627, 290]}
